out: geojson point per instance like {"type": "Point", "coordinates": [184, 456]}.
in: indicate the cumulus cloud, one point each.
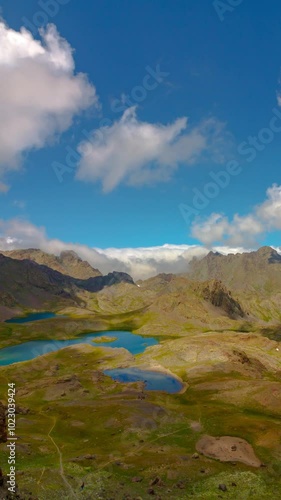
{"type": "Point", "coordinates": [244, 230]}
{"type": "Point", "coordinates": [137, 153]}
{"type": "Point", "coordinates": [140, 263]}
{"type": "Point", "coordinates": [40, 92]}
{"type": "Point", "coordinates": [270, 211]}
{"type": "Point", "coordinates": [145, 262]}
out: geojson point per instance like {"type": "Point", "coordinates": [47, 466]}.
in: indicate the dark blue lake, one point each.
{"type": "Point", "coordinates": [32, 317]}
{"type": "Point", "coordinates": [154, 381]}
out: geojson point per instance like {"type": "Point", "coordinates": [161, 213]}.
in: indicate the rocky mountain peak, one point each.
{"type": "Point", "coordinates": [268, 253]}
{"type": "Point", "coordinates": [68, 263]}
{"type": "Point", "coordinates": [69, 255]}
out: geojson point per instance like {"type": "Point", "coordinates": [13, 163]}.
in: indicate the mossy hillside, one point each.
{"type": "Point", "coordinates": [104, 339]}
{"type": "Point", "coordinates": [248, 351]}
{"type": "Point", "coordinates": [129, 436]}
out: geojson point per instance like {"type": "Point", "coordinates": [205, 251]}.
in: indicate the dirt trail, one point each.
{"type": "Point", "coordinates": [61, 469]}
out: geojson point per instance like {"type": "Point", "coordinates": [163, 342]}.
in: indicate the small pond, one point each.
{"type": "Point", "coordinates": [154, 381]}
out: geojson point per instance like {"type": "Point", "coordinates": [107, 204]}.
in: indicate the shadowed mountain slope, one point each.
{"type": "Point", "coordinates": [24, 283]}
{"type": "Point", "coordinates": [68, 262]}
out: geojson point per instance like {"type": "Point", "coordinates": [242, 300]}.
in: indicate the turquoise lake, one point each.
{"type": "Point", "coordinates": [135, 344]}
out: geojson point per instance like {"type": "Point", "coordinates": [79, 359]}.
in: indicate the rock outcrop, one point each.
{"type": "Point", "coordinates": [216, 293]}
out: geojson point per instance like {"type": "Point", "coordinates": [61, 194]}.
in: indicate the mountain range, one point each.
{"type": "Point", "coordinates": [67, 262]}
{"type": "Point", "coordinates": [253, 271]}
{"type": "Point", "coordinates": [242, 286]}
{"type": "Point", "coordinates": [24, 283]}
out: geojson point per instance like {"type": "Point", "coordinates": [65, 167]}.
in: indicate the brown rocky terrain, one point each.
{"type": "Point", "coordinates": [180, 294]}
{"type": "Point", "coordinates": [237, 286]}
{"type": "Point", "coordinates": [228, 449]}
{"type": "Point", "coordinates": [216, 293]}
{"type": "Point", "coordinates": [167, 297]}
{"type": "Point", "coordinates": [253, 278]}
{"type": "Point", "coordinates": [254, 271]}
{"type": "Point", "coordinates": [67, 262]}
{"type": "Point", "coordinates": [26, 284]}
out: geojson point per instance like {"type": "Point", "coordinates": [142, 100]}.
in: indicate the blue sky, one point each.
{"type": "Point", "coordinates": [218, 72]}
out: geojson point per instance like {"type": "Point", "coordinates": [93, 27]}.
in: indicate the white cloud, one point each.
{"type": "Point", "coordinates": [136, 153]}
{"type": "Point", "coordinates": [145, 262]}
{"type": "Point", "coordinates": [244, 230]}
{"type": "Point", "coordinates": [140, 263]}
{"type": "Point", "coordinates": [270, 211]}
{"type": "Point", "coordinates": [40, 93]}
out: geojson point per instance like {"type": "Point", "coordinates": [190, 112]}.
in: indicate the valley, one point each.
{"type": "Point", "coordinates": [140, 255]}
{"type": "Point", "coordinates": [85, 434]}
